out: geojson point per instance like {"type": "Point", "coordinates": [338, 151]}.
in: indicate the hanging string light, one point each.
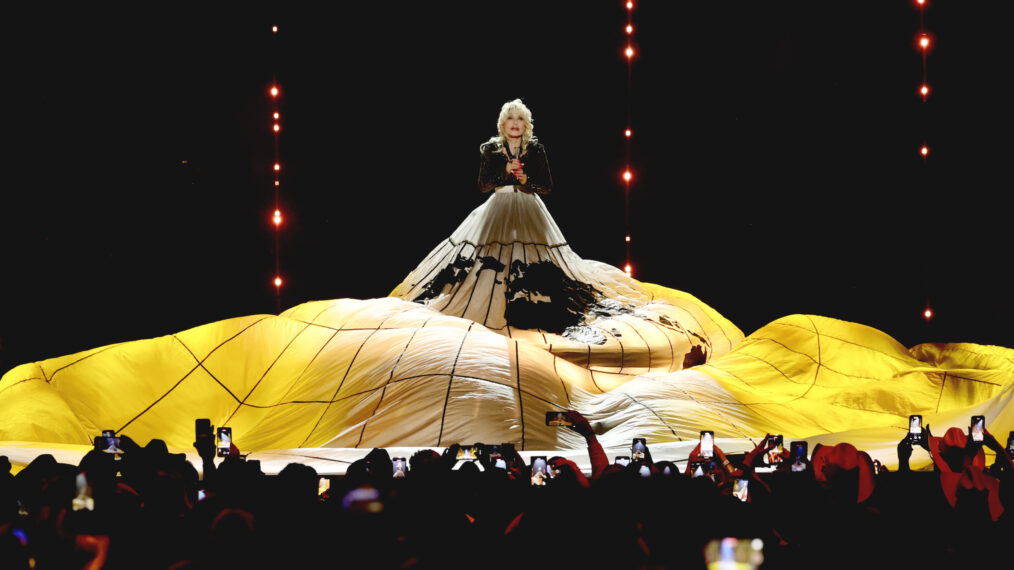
{"type": "Point", "coordinates": [276, 218]}
{"type": "Point", "coordinates": [627, 176]}
{"type": "Point", "coordinates": [924, 43]}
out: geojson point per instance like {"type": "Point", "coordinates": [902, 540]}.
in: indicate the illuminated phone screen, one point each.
{"type": "Point", "coordinates": [707, 444]}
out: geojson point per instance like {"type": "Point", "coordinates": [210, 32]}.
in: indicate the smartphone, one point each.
{"type": "Point", "coordinates": [775, 454]}
{"type": "Point", "coordinates": [558, 419]}
{"type": "Point", "coordinates": [202, 428]}
{"type": "Point", "coordinates": [638, 448]}
{"type": "Point", "coordinates": [201, 494]}
{"type": "Point", "coordinates": [323, 485]}
{"type": "Point", "coordinates": [83, 501]}
{"type": "Point", "coordinates": [739, 489]}
{"type": "Point", "coordinates": [540, 470]}
{"type": "Point", "coordinates": [400, 467]}
{"type": "Point", "coordinates": [798, 451]}
{"type": "Point", "coordinates": [223, 440]}
{"type": "Point", "coordinates": [622, 460]}
{"type": "Point", "coordinates": [499, 463]}
{"type": "Point", "coordinates": [111, 444]}
{"type": "Point", "coordinates": [978, 426]}
{"type": "Point", "coordinates": [697, 469]}
{"type": "Point", "coordinates": [707, 444]}
{"type": "Point", "coordinates": [915, 428]}
{"type": "Point", "coordinates": [468, 452]}
{"type": "Point", "coordinates": [1010, 444]}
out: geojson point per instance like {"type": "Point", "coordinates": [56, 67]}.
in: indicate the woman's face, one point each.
{"type": "Point", "coordinates": [514, 125]}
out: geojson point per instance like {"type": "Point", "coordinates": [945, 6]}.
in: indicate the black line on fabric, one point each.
{"type": "Point", "coordinates": [672, 351]}
{"type": "Point", "coordinates": [319, 350]}
{"type": "Point", "coordinates": [814, 360]}
{"type": "Point", "coordinates": [591, 374]}
{"type": "Point", "coordinates": [439, 250]}
{"type": "Point", "coordinates": [646, 345]}
{"type": "Point", "coordinates": [623, 357]}
{"type": "Point", "coordinates": [506, 288]}
{"type": "Point", "coordinates": [492, 291]}
{"type": "Point", "coordinates": [701, 403]}
{"type": "Point", "coordinates": [265, 373]}
{"type": "Point", "coordinates": [406, 379]}
{"type": "Point", "coordinates": [159, 399]}
{"type": "Point", "coordinates": [68, 365]}
{"type": "Point", "coordinates": [846, 341]}
{"type": "Point", "coordinates": [963, 349]}
{"type": "Point", "coordinates": [940, 396]}
{"type": "Point", "coordinates": [707, 337]}
{"type": "Point", "coordinates": [457, 286]}
{"type": "Point", "coordinates": [471, 290]}
{"type": "Point", "coordinates": [342, 383]}
{"type": "Point", "coordinates": [19, 382]}
{"type": "Point", "coordinates": [560, 378]}
{"type": "Point", "coordinates": [433, 267]}
{"type": "Point", "coordinates": [660, 418]}
{"type": "Point", "coordinates": [383, 391]}
{"type": "Point", "coordinates": [450, 381]}
{"type": "Point", "coordinates": [521, 395]}
{"type": "Point", "coordinates": [320, 458]}
{"type": "Point", "coordinates": [819, 360]}
{"type": "Point", "coordinates": [200, 364]}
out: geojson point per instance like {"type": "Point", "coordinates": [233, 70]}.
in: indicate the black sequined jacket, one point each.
{"type": "Point", "coordinates": [493, 168]}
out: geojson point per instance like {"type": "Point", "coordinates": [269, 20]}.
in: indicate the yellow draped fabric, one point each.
{"type": "Point", "coordinates": [387, 372]}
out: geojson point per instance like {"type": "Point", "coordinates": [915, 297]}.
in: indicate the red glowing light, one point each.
{"type": "Point", "coordinates": [276, 128]}
{"type": "Point", "coordinates": [277, 219]}
{"type": "Point", "coordinates": [629, 52]}
{"type": "Point", "coordinates": [920, 2]}
{"type": "Point", "coordinates": [277, 168]}
{"type": "Point", "coordinates": [924, 151]}
{"type": "Point", "coordinates": [276, 115]}
{"type": "Point", "coordinates": [627, 133]}
{"type": "Point", "coordinates": [927, 314]}
{"type": "Point", "coordinates": [924, 90]}
{"type": "Point", "coordinates": [628, 239]}
{"type": "Point", "coordinates": [630, 5]}
{"type": "Point", "coordinates": [274, 91]}
{"type": "Point", "coordinates": [627, 269]}
{"type": "Point", "coordinates": [630, 29]}
{"type": "Point", "coordinates": [924, 41]}
{"type": "Point", "coordinates": [278, 281]}
{"type": "Point", "coordinates": [277, 183]}
{"type": "Point", "coordinates": [627, 175]}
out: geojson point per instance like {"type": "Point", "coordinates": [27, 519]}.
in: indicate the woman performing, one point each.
{"type": "Point", "coordinates": [508, 265]}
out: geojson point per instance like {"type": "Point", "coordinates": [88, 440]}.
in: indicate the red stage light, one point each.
{"type": "Point", "coordinates": [627, 175]}
{"type": "Point", "coordinates": [277, 219]}
{"type": "Point", "coordinates": [277, 183]}
{"type": "Point", "coordinates": [274, 29]}
{"type": "Point", "coordinates": [924, 41]}
{"type": "Point", "coordinates": [627, 269]}
{"type": "Point", "coordinates": [924, 91]}
{"type": "Point", "coordinates": [630, 5]}
{"type": "Point", "coordinates": [274, 91]}
{"type": "Point", "coordinates": [629, 52]}
{"type": "Point", "coordinates": [630, 29]}
{"type": "Point", "coordinates": [627, 133]}
{"type": "Point", "coordinates": [920, 2]}
{"type": "Point", "coordinates": [277, 168]}
{"type": "Point", "coordinates": [927, 314]}
{"type": "Point", "coordinates": [278, 281]}
{"type": "Point", "coordinates": [628, 239]}
{"type": "Point", "coordinates": [924, 151]}
{"type": "Point", "coordinates": [275, 115]}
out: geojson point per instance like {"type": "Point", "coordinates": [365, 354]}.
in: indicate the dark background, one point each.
{"type": "Point", "coordinates": [774, 153]}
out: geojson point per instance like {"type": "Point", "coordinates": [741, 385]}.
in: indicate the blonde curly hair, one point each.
{"type": "Point", "coordinates": [526, 114]}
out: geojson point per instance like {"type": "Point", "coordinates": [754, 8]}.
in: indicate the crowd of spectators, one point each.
{"type": "Point", "coordinates": [143, 507]}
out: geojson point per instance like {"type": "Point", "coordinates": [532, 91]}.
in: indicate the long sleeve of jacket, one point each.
{"type": "Point", "coordinates": [493, 168]}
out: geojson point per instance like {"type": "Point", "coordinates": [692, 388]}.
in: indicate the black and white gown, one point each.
{"type": "Point", "coordinates": [509, 265]}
